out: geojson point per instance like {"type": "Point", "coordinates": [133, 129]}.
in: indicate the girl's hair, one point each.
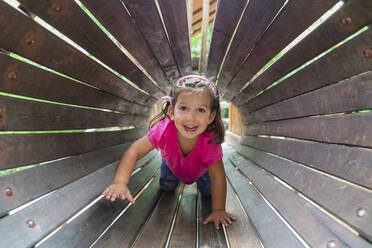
{"type": "Point", "coordinates": [195, 83]}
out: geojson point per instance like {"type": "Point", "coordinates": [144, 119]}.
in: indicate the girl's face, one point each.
{"type": "Point", "coordinates": [192, 114]}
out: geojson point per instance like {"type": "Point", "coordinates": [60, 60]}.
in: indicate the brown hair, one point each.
{"type": "Point", "coordinates": [195, 83]}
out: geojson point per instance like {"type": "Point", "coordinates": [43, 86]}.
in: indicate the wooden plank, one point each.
{"type": "Point", "coordinates": [87, 227]}
{"type": "Point", "coordinates": [24, 79]}
{"type": "Point", "coordinates": [256, 19]}
{"type": "Point", "coordinates": [270, 228]}
{"type": "Point", "coordinates": [26, 227]}
{"type": "Point", "coordinates": [198, 13]}
{"type": "Point", "coordinates": [303, 13]}
{"type": "Point", "coordinates": [25, 149]}
{"type": "Point", "coordinates": [348, 95]}
{"type": "Point", "coordinates": [204, 34]}
{"type": "Point", "coordinates": [227, 17]}
{"type": "Point", "coordinates": [352, 16]}
{"type": "Point", "coordinates": [22, 115]}
{"type": "Point", "coordinates": [114, 17]}
{"type": "Point", "coordinates": [21, 35]}
{"type": "Point", "coordinates": [351, 129]}
{"type": "Point", "coordinates": [54, 174]}
{"type": "Point", "coordinates": [350, 163]}
{"type": "Point", "coordinates": [342, 199]}
{"type": "Point", "coordinates": [209, 236]}
{"type": "Point", "coordinates": [174, 14]}
{"type": "Point", "coordinates": [68, 18]}
{"type": "Point", "coordinates": [288, 204]}
{"type": "Point", "coordinates": [148, 20]}
{"type": "Point", "coordinates": [342, 63]}
{"type": "Point", "coordinates": [242, 232]}
{"type": "Point", "coordinates": [184, 232]}
{"type": "Point", "coordinates": [156, 230]}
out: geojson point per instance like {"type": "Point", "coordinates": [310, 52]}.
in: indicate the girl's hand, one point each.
{"type": "Point", "coordinates": [117, 190]}
{"type": "Point", "coordinates": [220, 216]}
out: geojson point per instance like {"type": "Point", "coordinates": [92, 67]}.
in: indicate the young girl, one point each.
{"type": "Point", "coordinates": [189, 133]}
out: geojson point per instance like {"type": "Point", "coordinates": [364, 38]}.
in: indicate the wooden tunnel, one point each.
{"type": "Point", "coordinates": [300, 176]}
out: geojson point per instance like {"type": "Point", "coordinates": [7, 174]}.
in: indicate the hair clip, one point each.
{"type": "Point", "coordinates": [168, 99]}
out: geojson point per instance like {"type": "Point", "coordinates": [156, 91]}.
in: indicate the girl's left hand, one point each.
{"type": "Point", "coordinates": [220, 216]}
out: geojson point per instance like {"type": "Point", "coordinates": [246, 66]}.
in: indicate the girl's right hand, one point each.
{"type": "Point", "coordinates": [118, 190]}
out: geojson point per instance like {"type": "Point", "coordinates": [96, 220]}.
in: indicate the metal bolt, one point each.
{"type": "Point", "coordinates": [30, 41]}
{"type": "Point", "coordinates": [30, 223]}
{"type": "Point", "coordinates": [57, 7]}
{"type": "Point", "coordinates": [12, 75]}
{"type": "Point", "coordinates": [331, 244]}
{"type": "Point", "coordinates": [361, 212]}
{"type": "Point", "coordinates": [346, 20]}
{"type": "Point", "coordinates": [8, 191]}
{"type": "Point", "coordinates": [368, 53]}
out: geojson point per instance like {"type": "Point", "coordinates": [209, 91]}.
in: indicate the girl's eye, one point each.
{"type": "Point", "coordinates": [183, 108]}
{"type": "Point", "coordinates": [201, 110]}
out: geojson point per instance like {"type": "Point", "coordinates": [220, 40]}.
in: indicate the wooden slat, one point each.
{"type": "Point", "coordinates": [348, 95]}
{"type": "Point", "coordinates": [303, 13]}
{"type": "Point", "coordinates": [288, 204]}
{"type": "Point", "coordinates": [67, 17]}
{"type": "Point", "coordinates": [209, 236]}
{"type": "Point", "coordinates": [24, 79]}
{"type": "Point", "coordinates": [351, 163]}
{"type": "Point", "coordinates": [256, 19]}
{"type": "Point", "coordinates": [242, 232]}
{"type": "Point", "coordinates": [184, 233]}
{"type": "Point", "coordinates": [54, 175]}
{"type": "Point", "coordinates": [341, 198]}
{"type": "Point", "coordinates": [197, 14]}
{"type": "Point", "coordinates": [148, 20]}
{"type": "Point", "coordinates": [204, 34]}
{"type": "Point", "coordinates": [22, 115]}
{"type": "Point", "coordinates": [118, 22]}
{"type": "Point", "coordinates": [24, 149]}
{"type": "Point", "coordinates": [51, 211]}
{"type": "Point", "coordinates": [175, 20]}
{"type": "Point", "coordinates": [273, 232]}
{"type": "Point", "coordinates": [352, 129]}
{"type": "Point", "coordinates": [227, 17]}
{"type": "Point", "coordinates": [350, 18]}
{"type": "Point", "coordinates": [342, 63]}
{"type": "Point", "coordinates": [21, 35]}
{"type": "Point", "coordinates": [87, 227]}
{"type": "Point", "coordinates": [155, 232]}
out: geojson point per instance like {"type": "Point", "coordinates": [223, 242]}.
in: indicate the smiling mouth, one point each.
{"type": "Point", "coordinates": [190, 129]}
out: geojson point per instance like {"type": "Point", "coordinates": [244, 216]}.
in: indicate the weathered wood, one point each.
{"type": "Point", "coordinates": [351, 129]}
{"type": "Point", "coordinates": [87, 227]}
{"type": "Point", "coordinates": [288, 204]}
{"type": "Point", "coordinates": [208, 235]}
{"type": "Point", "coordinates": [27, 115]}
{"type": "Point", "coordinates": [256, 19]}
{"type": "Point", "coordinates": [68, 18]}
{"type": "Point", "coordinates": [148, 20]}
{"type": "Point", "coordinates": [184, 232]}
{"type": "Point", "coordinates": [24, 149]}
{"type": "Point", "coordinates": [26, 227]}
{"type": "Point", "coordinates": [342, 199]}
{"type": "Point", "coordinates": [342, 63]}
{"type": "Point", "coordinates": [350, 163]}
{"type": "Point", "coordinates": [227, 17]}
{"type": "Point", "coordinates": [198, 10]}
{"type": "Point", "coordinates": [114, 17]}
{"type": "Point", "coordinates": [17, 77]}
{"type": "Point", "coordinates": [156, 230]}
{"type": "Point", "coordinates": [270, 228]}
{"type": "Point", "coordinates": [204, 34]}
{"type": "Point", "coordinates": [350, 18]}
{"type": "Point", "coordinates": [242, 232]}
{"type": "Point", "coordinates": [21, 35]}
{"type": "Point", "coordinates": [348, 95]}
{"type": "Point", "coordinates": [303, 13]}
{"type": "Point", "coordinates": [175, 20]}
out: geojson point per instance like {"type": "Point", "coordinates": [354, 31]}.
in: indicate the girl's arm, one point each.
{"type": "Point", "coordinates": [217, 175]}
{"type": "Point", "coordinates": [119, 188]}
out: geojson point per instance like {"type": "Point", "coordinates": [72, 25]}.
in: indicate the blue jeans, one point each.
{"type": "Point", "coordinates": [169, 182]}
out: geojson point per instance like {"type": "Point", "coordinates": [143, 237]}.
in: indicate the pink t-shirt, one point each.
{"type": "Point", "coordinates": [188, 169]}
